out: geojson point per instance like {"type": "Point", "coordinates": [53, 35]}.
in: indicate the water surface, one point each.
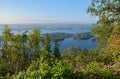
{"type": "Point", "coordinates": [55, 28]}
{"type": "Point", "coordinates": [71, 42]}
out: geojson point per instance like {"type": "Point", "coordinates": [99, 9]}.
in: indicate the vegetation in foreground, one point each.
{"type": "Point", "coordinates": [28, 55]}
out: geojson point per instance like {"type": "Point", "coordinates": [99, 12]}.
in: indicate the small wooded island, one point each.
{"type": "Point", "coordinates": [62, 36]}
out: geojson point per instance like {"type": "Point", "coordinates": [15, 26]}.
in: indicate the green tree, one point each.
{"type": "Point", "coordinates": [102, 33]}
{"type": "Point", "coordinates": [7, 55]}
{"type": "Point", "coordinates": [114, 40]}
{"type": "Point", "coordinates": [108, 13]}
{"type": "Point", "coordinates": [57, 53]}
{"type": "Point", "coordinates": [35, 44]}
{"type": "Point", "coordinates": [14, 52]}
{"type": "Point", "coordinates": [47, 44]}
{"type": "Point", "coordinates": [18, 50]}
{"type": "Point", "coordinates": [41, 69]}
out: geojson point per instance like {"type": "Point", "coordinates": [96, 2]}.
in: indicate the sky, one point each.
{"type": "Point", "coordinates": [45, 11]}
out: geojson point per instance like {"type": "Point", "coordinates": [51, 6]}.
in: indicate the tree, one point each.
{"type": "Point", "coordinates": [114, 40]}
{"type": "Point", "coordinates": [14, 52]}
{"type": "Point", "coordinates": [17, 49]}
{"type": "Point", "coordinates": [108, 12]}
{"type": "Point", "coordinates": [102, 34]}
{"type": "Point", "coordinates": [73, 50]}
{"type": "Point", "coordinates": [56, 51]}
{"type": "Point", "coordinates": [35, 44]}
{"type": "Point", "coordinates": [47, 44]}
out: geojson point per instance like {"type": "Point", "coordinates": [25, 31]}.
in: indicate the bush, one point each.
{"type": "Point", "coordinates": [107, 74]}
{"type": "Point", "coordinates": [79, 75]}
{"type": "Point", "coordinates": [93, 67]}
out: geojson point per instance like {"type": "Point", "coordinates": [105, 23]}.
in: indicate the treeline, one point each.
{"type": "Point", "coordinates": [61, 36]}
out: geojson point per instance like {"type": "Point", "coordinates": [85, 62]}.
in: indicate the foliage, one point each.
{"type": "Point", "coordinates": [26, 56]}
{"type": "Point", "coordinates": [93, 67]}
{"type": "Point", "coordinates": [47, 42]}
{"type": "Point", "coordinates": [35, 44]}
{"type": "Point", "coordinates": [61, 36]}
{"type": "Point", "coordinates": [83, 36]}
{"type": "Point", "coordinates": [14, 52]}
{"type": "Point", "coordinates": [16, 49]}
{"type": "Point", "coordinates": [114, 40]}
{"type": "Point", "coordinates": [57, 53]}
{"type": "Point", "coordinates": [108, 11]}
{"type": "Point", "coordinates": [43, 70]}
{"type": "Point", "coordinates": [107, 74]}
{"type": "Point", "coordinates": [102, 34]}
{"type": "Point", "coordinates": [73, 50]}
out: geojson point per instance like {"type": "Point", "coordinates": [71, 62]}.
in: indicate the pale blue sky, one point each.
{"type": "Point", "coordinates": [45, 11]}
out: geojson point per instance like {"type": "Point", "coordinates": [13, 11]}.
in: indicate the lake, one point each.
{"type": "Point", "coordinates": [43, 31]}
{"type": "Point", "coordinates": [62, 28]}
{"type": "Point", "coordinates": [49, 27]}
{"type": "Point", "coordinates": [71, 42]}
{"type": "Point", "coordinates": [68, 42]}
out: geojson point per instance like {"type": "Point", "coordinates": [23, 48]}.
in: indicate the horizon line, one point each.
{"type": "Point", "coordinates": [49, 23]}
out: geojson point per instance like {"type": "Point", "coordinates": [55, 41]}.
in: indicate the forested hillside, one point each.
{"type": "Point", "coordinates": [28, 55]}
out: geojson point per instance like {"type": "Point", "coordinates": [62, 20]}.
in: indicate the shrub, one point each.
{"type": "Point", "coordinates": [93, 67]}
{"type": "Point", "coordinates": [107, 74]}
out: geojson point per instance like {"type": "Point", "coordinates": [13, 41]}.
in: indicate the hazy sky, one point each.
{"type": "Point", "coordinates": [45, 11]}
